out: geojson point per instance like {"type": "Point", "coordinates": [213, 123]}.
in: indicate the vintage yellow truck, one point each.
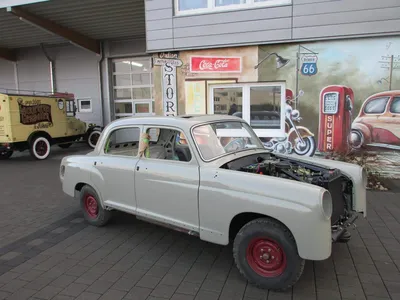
{"type": "Point", "coordinates": [36, 121]}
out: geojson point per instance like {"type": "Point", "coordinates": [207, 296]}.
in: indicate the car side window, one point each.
{"type": "Point", "coordinates": [123, 141]}
{"type": "Point", "coordinates": [165, 143]}
{"type": "Point", "coordinates": [395, 106]}
{"type": "Point", "coordinates": [376, 106]}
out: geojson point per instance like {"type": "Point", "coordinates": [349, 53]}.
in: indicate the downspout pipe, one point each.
{"type": "Point", "coordinates": [52, 70]}
{"type": "Point", "coordinates": [100, 70]}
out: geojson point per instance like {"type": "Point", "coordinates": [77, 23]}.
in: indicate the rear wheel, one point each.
{"type": "Point", "coordinates": [266, 254]}
{"type": "Point", "coordinates": [93, 138]}
{"type": "Point", "coordinates": [93, 212]}
{"type": "Point", "coordinates": [39, 147]}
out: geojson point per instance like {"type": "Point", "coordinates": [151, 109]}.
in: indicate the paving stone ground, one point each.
{"type": "Point", "coordinates": [47, 251]}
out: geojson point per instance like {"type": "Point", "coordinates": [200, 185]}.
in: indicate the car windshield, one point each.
{"type": "Point", "coordinates": [220, 138]}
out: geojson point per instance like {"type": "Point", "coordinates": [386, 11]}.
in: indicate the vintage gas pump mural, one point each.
{"type": "Point", "coordinates": [335, 118]}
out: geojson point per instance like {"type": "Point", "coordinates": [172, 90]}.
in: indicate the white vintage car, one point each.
{"type": "Point", "coordinates": [211, 177]}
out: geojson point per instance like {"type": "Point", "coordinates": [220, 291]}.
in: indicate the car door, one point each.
{"type": "Point", "coordinates": [167, 188]}
{"type": "Point", "coordinates": [116, 165]}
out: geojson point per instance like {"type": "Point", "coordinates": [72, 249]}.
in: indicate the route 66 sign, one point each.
{"type": "Point", "coordinates": [309, 66]}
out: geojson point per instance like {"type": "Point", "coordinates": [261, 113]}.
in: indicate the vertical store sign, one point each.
{"type": "Point", "coordinates": [169, 88]}
{"type": "Point", "coordinates": [169, 84]}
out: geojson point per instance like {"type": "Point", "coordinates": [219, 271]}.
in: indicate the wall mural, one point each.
{"type": "Point", "coordinates": [340, 95]}
{"type": "Point", "coordinates": [345, 92]}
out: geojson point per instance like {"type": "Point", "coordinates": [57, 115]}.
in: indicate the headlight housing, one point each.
{"type": "Point", "coordinates": [326, 204]}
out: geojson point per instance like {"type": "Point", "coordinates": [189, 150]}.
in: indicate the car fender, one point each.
{"type": "Point", "coordinates": [357, 174]}
{"type": "Point", "coordinates": [365, 131]}
{"type": "Point", "coordinates": [78, 170]}
{"type": "Point", "coordinates": [224, 194]}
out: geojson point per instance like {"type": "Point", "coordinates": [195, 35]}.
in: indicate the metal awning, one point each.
{"type": "Point", "coordinates": [82, 23]}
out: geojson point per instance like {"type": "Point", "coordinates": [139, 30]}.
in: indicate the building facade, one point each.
{"type": "Point", "coordinates": [336, 63]}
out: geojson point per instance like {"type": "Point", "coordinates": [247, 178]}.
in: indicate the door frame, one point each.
{"type": "Point", "coordinates": [246, 104]}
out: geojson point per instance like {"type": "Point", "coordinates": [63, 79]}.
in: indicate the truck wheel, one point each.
{"type": "Point", "coordinates": [265, 253]}
{"type": "Point", "coordinates": [93, 212]}
{"type": "Point", "coordinates": [40, 147]}
{"type": "Point", "coordinates": [93, 138]}
{"type": "Point", "coordinates": [6, 154]}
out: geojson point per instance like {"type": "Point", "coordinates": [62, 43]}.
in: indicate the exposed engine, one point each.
{"type": "Point", "coordinates": [333, 180]}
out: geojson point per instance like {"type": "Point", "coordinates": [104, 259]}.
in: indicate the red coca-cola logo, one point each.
{"type": "Point", "coordinates": [215, 64]}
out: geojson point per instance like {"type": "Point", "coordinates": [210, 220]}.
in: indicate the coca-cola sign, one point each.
{"type": "Point", "coordinates": [215, 64]}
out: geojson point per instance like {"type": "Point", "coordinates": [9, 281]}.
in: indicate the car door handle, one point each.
{"type": "Point", "coordinates": [137, 168]}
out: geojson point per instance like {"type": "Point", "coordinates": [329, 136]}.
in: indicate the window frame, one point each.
{"type": "Point", "coordinates": [246, 104]}
{"type": "Point", "coordinates": [212, 8]}
{"type": "Point", "coordinates": [373, 99]}
{"type": "Point", "coordinates": [102, 153]}
{"type": "Point", "coordinates": [83, 110]}
{"type": "Point", "coordinates": [148, 127]}
{"type": "Point", "coordinates": [115, 87]}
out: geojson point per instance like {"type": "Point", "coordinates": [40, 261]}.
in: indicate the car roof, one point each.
{"type": "Point", "coordinates": [183, 121]}
{"type": "Point", "coordinates": [386, 93]}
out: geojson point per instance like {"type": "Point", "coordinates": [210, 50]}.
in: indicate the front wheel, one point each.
{"type": "Point", "coordinates": [39, 147]}
{"type": "Point", "coordinates": [93, 138]}
{"type": "Point", "coordinates": [307, 148]}
{"type": "Point", "coordinates": [265, 253]}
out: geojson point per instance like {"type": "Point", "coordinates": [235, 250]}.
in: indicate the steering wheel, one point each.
{"type": "Point", "coordinates": [234, 145]}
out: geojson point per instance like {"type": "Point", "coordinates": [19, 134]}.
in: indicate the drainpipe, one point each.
{"type": "Point", "coordinates": [100, 70]}
{"type": "Point", "coordinates": [16, 78]}
{"type": "Point", "coordinates": [52, 70]}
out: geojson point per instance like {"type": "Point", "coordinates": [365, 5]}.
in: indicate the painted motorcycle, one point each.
{"type": "Point", "coordinates": [299, 139]}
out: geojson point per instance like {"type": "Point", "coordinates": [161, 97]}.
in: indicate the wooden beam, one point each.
{"type": "Point", "coordinates": [8, 54]}
{"type": "Point", "coordinates": [52, 27]}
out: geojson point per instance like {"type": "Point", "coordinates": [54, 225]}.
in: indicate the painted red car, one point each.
{"type": "Point", "coordinates": [378, 122]}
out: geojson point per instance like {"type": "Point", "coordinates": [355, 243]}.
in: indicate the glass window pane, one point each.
{"type": "Point", "coordinates": [123, 108]}
{"type": "Point", "coordinates": [122, 80]}
{"type": "Point", "coordinates": [228, 2]}
{"type": "Point", "coordinates": [228, 101]}
{"type": "Point", "coordinates": [265, 107]}
{"type": "Point", "coordinates": [141, 93]}
{"type": "Point", "coordinates": [122, 93]}
{"type": "Point", "coordinates": [192, 4]}
{"type": "Point", "coordinates": [123, 142]}
{"type": "Point", "coordinates": [122, 67]}
{"type": "Point", "coordinates": [139, 79]}
{"type": "Point", "coordinates": [142, 108]}
{"type": "Point", "coordinates": [376, 106]}
{"type": "Point", "coordinates": [86, 104]}
{"type": "Point", "coordinates": [395, 106]}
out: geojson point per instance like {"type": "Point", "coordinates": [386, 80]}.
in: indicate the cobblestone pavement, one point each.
{"type": "Point", "coordinates": [48, 252]}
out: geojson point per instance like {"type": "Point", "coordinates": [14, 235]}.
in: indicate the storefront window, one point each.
{"type": "Point", "coordinates": [133, 86]}
{"type": "Point", "coordinates": [228, 101]}
{"type": "Point", "coordinates": [259, 104]}
{"type": "Point", "coordinates": [265, 107]}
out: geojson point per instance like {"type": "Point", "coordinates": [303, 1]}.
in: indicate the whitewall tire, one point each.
{"type": "Point", "coordinates": [40, 148]}
{"type": "Point", "coordinates": [93, 138]}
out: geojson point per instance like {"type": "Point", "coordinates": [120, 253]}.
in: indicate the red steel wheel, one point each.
{"type": "Point", "coordinates": [91, 206]}
{"type": "Point", "coordinates": [266, 257]}
{"type": "Point", "coordinates": [92, 209]}
{"type": "Point", "coordinates": [265, 253]}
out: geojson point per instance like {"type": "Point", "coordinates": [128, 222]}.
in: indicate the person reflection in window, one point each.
{"type": "Point", "coordinates": [232, 109]}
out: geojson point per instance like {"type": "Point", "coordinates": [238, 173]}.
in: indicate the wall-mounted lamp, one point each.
{"type": "Point", "coordinates": [280, 61]}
